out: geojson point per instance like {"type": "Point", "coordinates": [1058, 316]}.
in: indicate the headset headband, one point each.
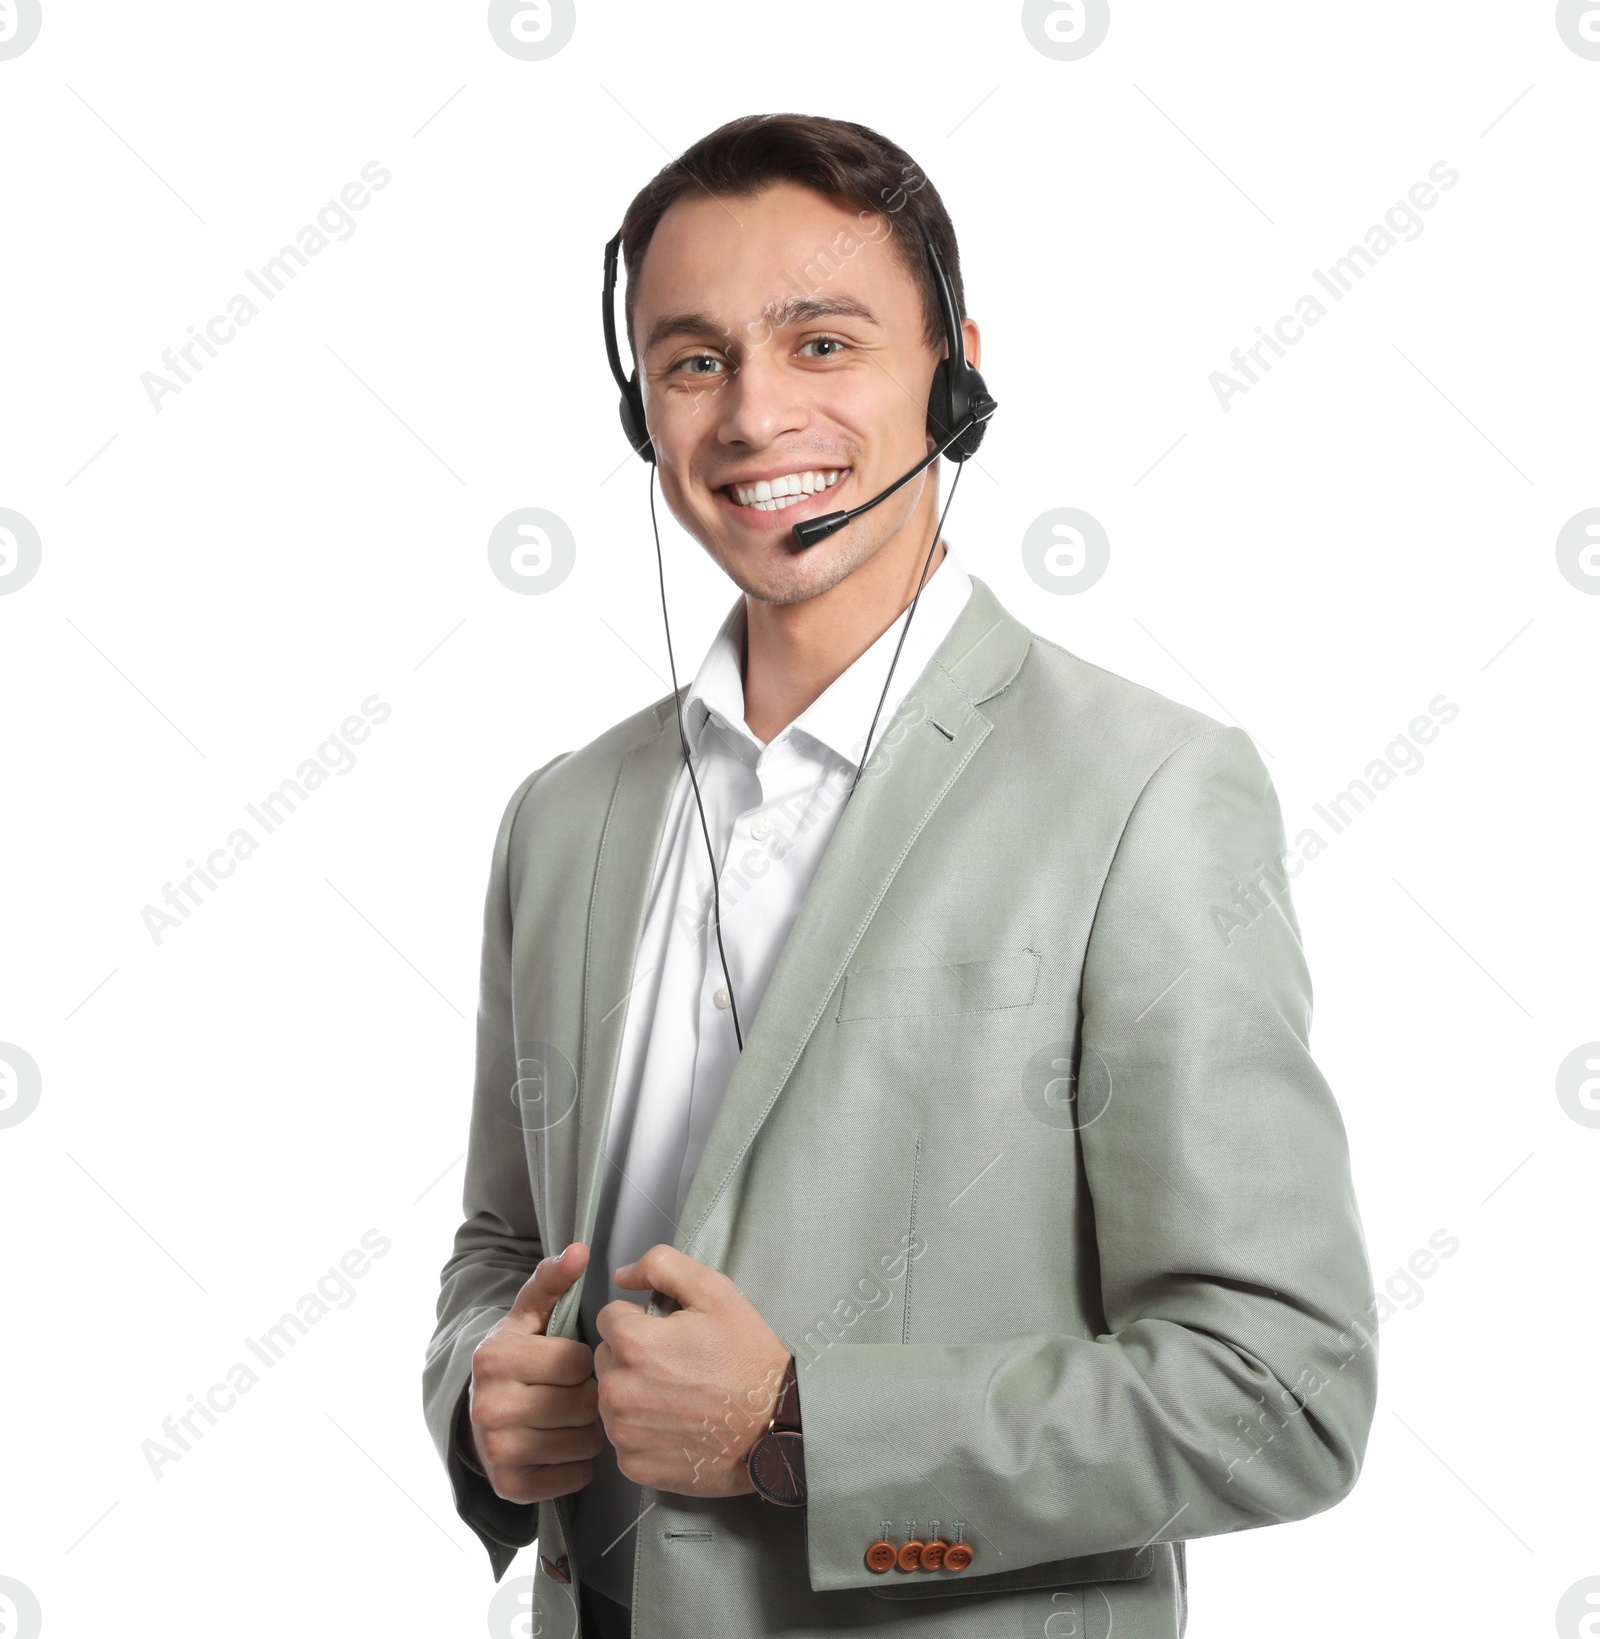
{"type": "Point", "coordinates": [608, 300]}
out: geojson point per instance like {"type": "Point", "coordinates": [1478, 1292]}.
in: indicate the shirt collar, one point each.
{"type": "Point", "coordinates": [839, 716]}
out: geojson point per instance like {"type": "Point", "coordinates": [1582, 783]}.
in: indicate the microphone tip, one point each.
{"type": "Point", "coordinates": [813, 530]}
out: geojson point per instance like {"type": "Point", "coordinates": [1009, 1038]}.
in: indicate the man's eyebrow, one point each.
{"type": "Point", "coordinates": [792, 310]}
{"type": "Point", "coordinates": [679, 324]}
{"type": "Point", "coordinates": [779, 314]}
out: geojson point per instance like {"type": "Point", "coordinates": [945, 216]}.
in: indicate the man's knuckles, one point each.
{"type": "Point", "coordinates": [518, 1356]}
{"type": "Point", "coordinates": [507, 1451]}
{"type": "Point", "coordinates": [512, 1408]}
{"type": "Point", "coordinates": [541, 1484]}
{"type": "Point", "coordinates": [618, 1395]}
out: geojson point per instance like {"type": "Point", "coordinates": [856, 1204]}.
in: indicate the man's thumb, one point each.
{"type": "Point", "coordinates": [552, 1277]}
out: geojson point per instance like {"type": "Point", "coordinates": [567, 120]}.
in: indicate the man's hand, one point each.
{"type": "Point", "coordinates": [684, 1396]}
{"type": "Point", "coordinates": [533, 1406]}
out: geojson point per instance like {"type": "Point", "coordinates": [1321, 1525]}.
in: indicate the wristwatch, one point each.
{"type": "Point", "coordinates": [777, 1461]}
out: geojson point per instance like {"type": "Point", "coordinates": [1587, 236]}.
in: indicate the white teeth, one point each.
{"type": "Point", "coordinates": [771, 495]}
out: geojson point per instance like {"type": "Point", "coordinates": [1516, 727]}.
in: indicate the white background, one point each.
{"type": "Point", "coordinates": [224, 581]}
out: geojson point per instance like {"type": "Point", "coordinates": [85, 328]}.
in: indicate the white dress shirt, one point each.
{"type": "Point", "coordinates": [770, 810]}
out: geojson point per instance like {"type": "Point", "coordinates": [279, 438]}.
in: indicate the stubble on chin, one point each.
{"type": "Point", "coordinates": [802, 573]}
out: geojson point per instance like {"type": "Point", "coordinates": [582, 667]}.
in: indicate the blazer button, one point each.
{"type": "Point", "coordinates": [880, 1556]}
{"type": "Point", "coordinates": [910, 1556]}
{"type": "Point", "coordinates": [932, 1556]}
{"type": "Point", "coordinates": [957, 1557]}
{"type": "Point", "coordinates": [556, 1568]}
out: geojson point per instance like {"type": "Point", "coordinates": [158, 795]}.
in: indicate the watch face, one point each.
{"type": "Point", "coordinates": [778, 1467]}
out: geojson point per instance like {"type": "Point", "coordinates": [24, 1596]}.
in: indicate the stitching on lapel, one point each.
{"type": "Point", "coordinates": [580, 1206]}
{"type": "Point", "coordinates": [1009, 678]}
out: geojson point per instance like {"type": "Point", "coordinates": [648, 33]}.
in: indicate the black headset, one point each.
{"type": "Point", "coordinates": [959, 405]}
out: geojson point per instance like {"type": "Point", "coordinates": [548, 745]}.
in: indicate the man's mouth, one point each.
{"type": "Point", "coordinates": [778, 494]}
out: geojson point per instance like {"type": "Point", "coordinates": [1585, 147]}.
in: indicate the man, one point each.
{"type": "Point", "coordinates": [939, 1220]}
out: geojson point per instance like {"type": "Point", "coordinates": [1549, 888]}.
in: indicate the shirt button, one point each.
{"type": "Point", "coordinates": [761, 830]}
{"type": "Point", "coordinates": [720, 996]}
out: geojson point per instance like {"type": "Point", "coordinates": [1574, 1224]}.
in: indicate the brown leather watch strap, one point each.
{"type": "Point", "coordinates": [787, 1412]}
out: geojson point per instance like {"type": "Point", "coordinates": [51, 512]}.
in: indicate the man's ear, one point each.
{"type": "Point", "coordinates": [973, 341]}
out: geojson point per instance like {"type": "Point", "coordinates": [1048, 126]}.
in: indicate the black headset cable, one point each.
{"type": "Point", "coordinates": [683, 741]}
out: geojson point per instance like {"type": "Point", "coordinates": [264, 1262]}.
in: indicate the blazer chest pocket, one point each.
{"type": "Point", "coordinates": [986, 986]}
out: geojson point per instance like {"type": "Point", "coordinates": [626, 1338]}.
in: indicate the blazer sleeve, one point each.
{"type": "Point", "coordinates": [499, 1241]}
{"type": "Point", "coordinates": [1234, 1385]}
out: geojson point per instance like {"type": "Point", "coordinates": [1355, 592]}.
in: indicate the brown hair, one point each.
{"type": "Point", "coordinates": [847, 163]}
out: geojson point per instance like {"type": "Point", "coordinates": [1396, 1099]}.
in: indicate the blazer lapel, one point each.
{"type": "Point", "coordinates": [625, 868]}
{"type": "Point", "coordinates": [901, 787]}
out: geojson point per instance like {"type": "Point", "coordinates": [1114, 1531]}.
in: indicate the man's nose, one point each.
{"type": "Point", "coordinates": [759, 403]}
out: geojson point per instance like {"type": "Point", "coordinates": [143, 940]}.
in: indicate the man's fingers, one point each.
{"type": "Point", "coordinates": [612, 1323]}
{"type": "Point", "coordinates": [692, 1284]}
{"type": "Point", "coordinates": [532, 1309]}
{"type": "Point", "coordinates": [542, 1483]}
{"type": "Point", "coordinates": [498, 1406]}
{"type": "Point", "coordinates": [514, 1449]}
{"type": "Point", "coordinates": [562, 1362]}
{"type": "Point", "coordinates": [562, 1407]}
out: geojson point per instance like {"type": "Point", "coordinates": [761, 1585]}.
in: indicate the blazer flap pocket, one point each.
{"type": "Point", "coordinates": [1121, 1565]}
{"type": "Point", "coordinates": [951, 987]}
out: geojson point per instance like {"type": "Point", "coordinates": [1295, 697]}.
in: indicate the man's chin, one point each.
{"type": "Point", "coordinates": [779, 572]}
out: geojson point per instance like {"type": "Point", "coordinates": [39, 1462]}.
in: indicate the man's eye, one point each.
{"type": "Point", "coordinates": [696, 358]}
{"type": "Point", "coordinates": [824, 341]}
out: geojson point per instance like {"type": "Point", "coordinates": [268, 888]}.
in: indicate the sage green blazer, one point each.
{"type": "Point", "coordinates": [1026, 1157]}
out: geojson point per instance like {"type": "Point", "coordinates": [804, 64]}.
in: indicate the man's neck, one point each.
{"type": "Point", "coordinates": [793, 651]}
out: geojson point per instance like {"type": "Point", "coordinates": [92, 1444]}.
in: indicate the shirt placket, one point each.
{"type": "Point", "coordinates": [717, 1047]}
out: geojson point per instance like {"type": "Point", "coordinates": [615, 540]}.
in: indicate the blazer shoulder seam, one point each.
{"type": "Point", "coordinates": [1128, 682]}
{"type": "Point", "coordinates": [520, 799]}
{"type": "Point", "coordinates": [527, 789]}
{"type": "Point", "coordinates": [1150, 778]}
{"type": "Point", "coordinates": [1127, 819]}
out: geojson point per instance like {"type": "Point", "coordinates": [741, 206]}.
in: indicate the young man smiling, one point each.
{"type": "Point", "coordinates": [942, 1209]}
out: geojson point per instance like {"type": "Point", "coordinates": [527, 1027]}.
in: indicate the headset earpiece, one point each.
{"type": "Point", "coordinates": [632, 406]}
{"type": "Point", "coordinates": [958, 391]}
{"type": "Point", "coordinates": [633, 422]}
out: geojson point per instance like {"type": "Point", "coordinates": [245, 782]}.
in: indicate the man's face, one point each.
{"type": "Point", "coordinates": [781, 337]}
